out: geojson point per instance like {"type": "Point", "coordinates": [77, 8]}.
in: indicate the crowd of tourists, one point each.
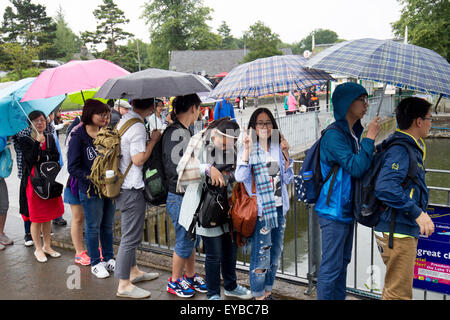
{"type": "Point", "coordinates": [230, 161]}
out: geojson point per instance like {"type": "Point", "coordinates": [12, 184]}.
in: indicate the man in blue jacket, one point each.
{"type": "Point", "coordinates": [342, 149]}
{"type": "Point", "coordinates": [408, 199]}
{"type": "Point", "coordinates": [224, 109]}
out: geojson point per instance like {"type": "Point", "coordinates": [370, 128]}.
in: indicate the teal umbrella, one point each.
{"type": "Point", "coordinates": [14, 114]}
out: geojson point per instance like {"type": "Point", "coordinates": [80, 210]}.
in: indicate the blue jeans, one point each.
{"type": "Point", "coordinates": [266, 248]}
{"type": "Point", "coordinates": [183, 245]}
{"type": "Point", "coordinates": [99, 223]}
{"type": "Point", "coordinates": [337, 243]}
{"type": "Point", "coordinates": [220, 251]}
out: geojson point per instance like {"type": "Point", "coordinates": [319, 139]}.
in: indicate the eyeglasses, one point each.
{"type": "Point", "coordinates": [103, 115]}
{"type": "Point", "coordinates": [364, 100]}
{"type": "Point", "coordinates": [261, 124]}
{"type": "Point", "coordinates": [431, 119]}
{"type": "Point", "coordinates": [39, 121]}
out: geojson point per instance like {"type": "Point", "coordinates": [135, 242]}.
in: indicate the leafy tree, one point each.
{"type": "Point", "coordinates": [66, 42]}
{"type": "Point", "coordinates": [428, 24]}
{"type": "Point", "coordinates": [178, 25]}
{"type": "Point", "coordinates": [228, 41]}
{"type": "Point", "coordinates": [18, 58]}
{"type": "Point", "coordinates": [321, 36]}
{"type": "Point", "coordinates": [28, 24]}
{"type": "Point", "coordinates": [109, 19]}
{"type": "Point", "coordinates": [261, 42]}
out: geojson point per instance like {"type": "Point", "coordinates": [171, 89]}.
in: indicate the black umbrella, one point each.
{"type": "Point", "coordinates": [152, 83]}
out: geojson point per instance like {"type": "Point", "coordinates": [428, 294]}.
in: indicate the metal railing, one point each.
{"type": "Point", "coordinates": [301, 255]}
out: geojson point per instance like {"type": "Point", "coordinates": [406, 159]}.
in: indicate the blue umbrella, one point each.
{"type": "Point", "coordinates": [267, 76]}
{"type": "Point", "coordinates": [14, 114]}
{"type": "Point", "coordinates": [391, 62]}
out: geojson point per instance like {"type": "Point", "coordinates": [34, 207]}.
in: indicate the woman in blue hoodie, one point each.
{"type": "Point", "coordinates": [98, 212]}
{"type": "Point", "coordinates": [342, 147]}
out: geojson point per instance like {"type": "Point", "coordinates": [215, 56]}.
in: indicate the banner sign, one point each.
{"type": "Point", "coordinates": [432, 268]}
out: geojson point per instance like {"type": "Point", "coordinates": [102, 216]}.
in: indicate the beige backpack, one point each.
{"type": "Point", "coordinates": [107, 145]}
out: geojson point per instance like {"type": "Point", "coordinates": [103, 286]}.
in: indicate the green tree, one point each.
{"type": "Point", "coordinates": [66, 42]}
{"type": "Point", "coordinates": [428, 24]}
{"type": "Point", "coordinates": [178, 25]}
{"type": "Point", "coordinates": [321, 36]}
{"type": "Point", "coordinates": [18, 59]}
{"type": "Point", "coordinates": [109, 20]}
{"type": "Point", "coordinates": [228, 41]}
{"type": "Point", "coordinates": [29, 25]}
{"type": "Point", "coordinates": [261, 42]}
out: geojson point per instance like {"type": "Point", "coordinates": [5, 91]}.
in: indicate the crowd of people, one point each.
{"type": "Point", "coordinates": [261, 163]}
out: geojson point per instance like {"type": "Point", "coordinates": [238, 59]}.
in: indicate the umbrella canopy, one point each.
{"type": "Point", "coordinates": [387, 61]}
{"type": "Point", "coordinates": [14, 114]}
{"type": "Point", "coordinates": [152, 83]}
{"type": "Point", "coordinates": [71, 77]}
{"type": "Point", "coordinates": [269, 75]}
{"type": "Point", "coordinates": [80, 97]}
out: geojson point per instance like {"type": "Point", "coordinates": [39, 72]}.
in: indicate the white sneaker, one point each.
{"type": "Point", "coordinates": [100, 271]}
{"type": "Point", "coordinates": [110, 265]}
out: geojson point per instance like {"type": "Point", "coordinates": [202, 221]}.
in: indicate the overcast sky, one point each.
{"type": "Point", "coordinates": [292, 20]}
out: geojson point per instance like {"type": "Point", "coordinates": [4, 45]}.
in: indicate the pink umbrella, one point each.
{"type": "Point", "coordinates": [71, 77]}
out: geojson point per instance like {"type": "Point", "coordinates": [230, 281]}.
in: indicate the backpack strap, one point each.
{"type": "Point", "coordinates": [411, 177]}
{"type": "Point", "coordinates": [124, 128]}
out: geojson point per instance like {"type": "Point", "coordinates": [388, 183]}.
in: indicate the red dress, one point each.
{"type": "Point", "coordinates": [41, 210]}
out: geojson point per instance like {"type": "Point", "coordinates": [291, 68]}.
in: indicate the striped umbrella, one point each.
{"type": "Point", "coordinates": [395, 63]}
{"type": "Point", "coordinates": [267, 76]}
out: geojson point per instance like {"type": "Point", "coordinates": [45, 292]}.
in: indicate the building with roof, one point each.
{"type": "Point", "coordinates": [209, 62]}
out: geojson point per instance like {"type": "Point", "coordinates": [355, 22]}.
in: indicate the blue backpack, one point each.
{"type": "Point", "coordinates": [6, 163]}
{"type": "Point", "coordinates": [309, 181]}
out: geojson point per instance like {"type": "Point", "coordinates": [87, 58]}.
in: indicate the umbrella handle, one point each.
{"type": "Point", "coordinates": [437, 103]}
{"type": "Point", "coordinates": [381, 100]}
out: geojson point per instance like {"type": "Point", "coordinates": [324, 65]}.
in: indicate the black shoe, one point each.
{"type": "Point", "coordinates": [270, 297]}
{"type": "Point", "coordinates": [60, 222]}
{"type": "Point", "coordinates": [28, 240]}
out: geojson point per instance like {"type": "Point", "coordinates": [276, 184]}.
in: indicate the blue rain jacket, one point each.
{"type": "Point", "coordinates": [341, 148]}
{"type": "Point", "coordinates": [409, 199]}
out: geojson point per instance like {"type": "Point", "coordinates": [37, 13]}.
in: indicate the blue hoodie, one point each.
{"type": "Point", "coordinates": [409, 200]}
{"type": "Point", "coordinates": [2, 143]}
{"type": "Point", "coordinates": [341, 147]}
{"type": "Point", "coordinates": [80, 158]}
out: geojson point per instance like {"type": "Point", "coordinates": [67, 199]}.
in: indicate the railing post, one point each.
{"type": "Point", "coordinates": [314, 249]}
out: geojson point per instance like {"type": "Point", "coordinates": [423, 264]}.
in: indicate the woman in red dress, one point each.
{"type": "Point", "coordinates": [39, 146]}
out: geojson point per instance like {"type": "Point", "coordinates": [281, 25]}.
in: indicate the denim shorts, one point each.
{"type": "Point", "coordinates": [70, 198]}
{"type": "Point", "coordinates": [183, 246]}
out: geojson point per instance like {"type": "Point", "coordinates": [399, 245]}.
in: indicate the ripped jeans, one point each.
{"type": "Point", "coordinates": [266, 248]}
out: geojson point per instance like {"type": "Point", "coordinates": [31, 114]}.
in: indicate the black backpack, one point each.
{"type": "Point", "coordinates": [367, 208]}
{"type": "Point", "coordinates": [155, 189]}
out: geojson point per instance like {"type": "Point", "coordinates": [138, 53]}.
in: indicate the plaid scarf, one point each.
{"type": "Point", "coordinates": [264, 187]}
{"type": "Point", "coordinates": [188, 167]}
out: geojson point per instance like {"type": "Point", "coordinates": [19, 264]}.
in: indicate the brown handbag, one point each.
{"type": "Point", "coordinates": [244, 211]}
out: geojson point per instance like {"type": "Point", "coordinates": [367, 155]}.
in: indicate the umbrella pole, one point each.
{"type": "Point", "coordinates": [21, 108]}
{"type": "Point", "coordinates": [437, 103]}
{"type": "Point", "coordinates": [82, 95]}
{"type": "Point", "coordinates": [381, 100]}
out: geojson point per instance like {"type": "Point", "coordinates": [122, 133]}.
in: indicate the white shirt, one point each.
{"type": "Point", "coordinates": [155, 123]}
{"type": "Point", "coordinates": [132, 143]}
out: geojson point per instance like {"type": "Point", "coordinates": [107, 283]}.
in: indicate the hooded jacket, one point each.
{"type": "Point", "coordinates": [345, 149]}
{"type": "Point", "coordinates": [80, 158]}
{"type": "Point", "coordinates": [409, 199]}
